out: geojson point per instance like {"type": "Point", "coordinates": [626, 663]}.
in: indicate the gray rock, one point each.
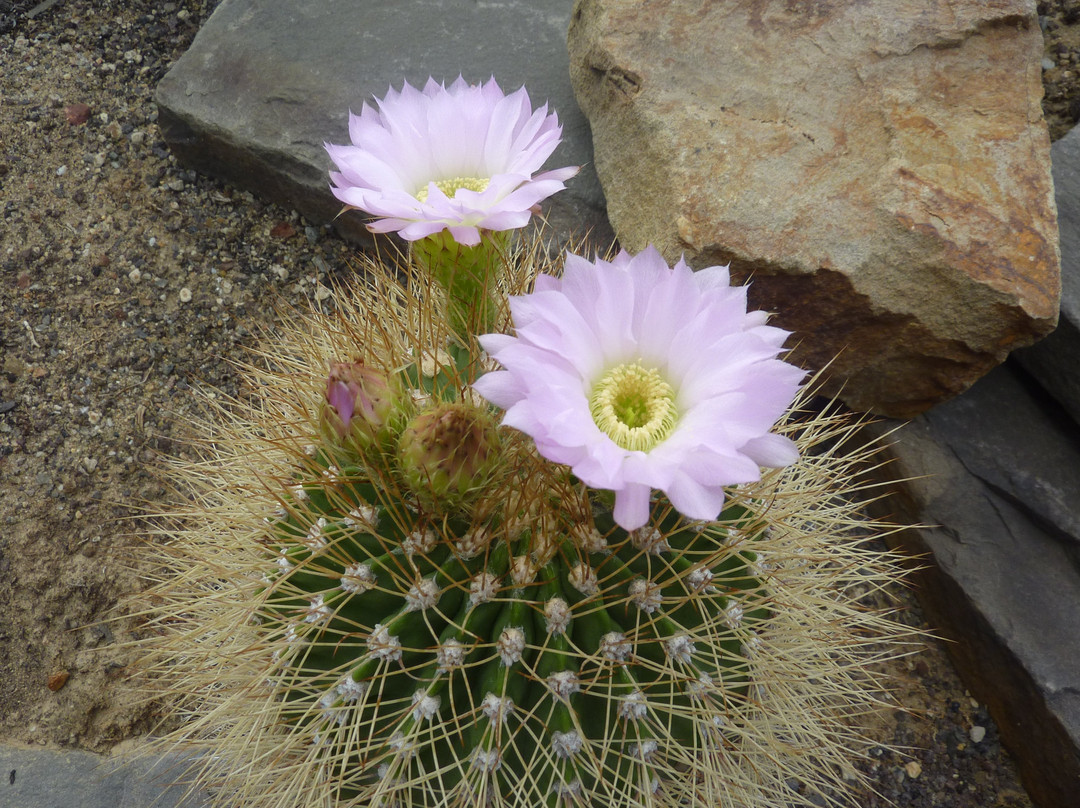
{"type": "Point", "coordinates": [1002, 582]}
{"type": "Point", "coordinates": [879, 168]}
{"type": "Point", "coordinates": [1055, 361]}
{"type": "Point", "coordinates": [49, 778]}
{"type": "Point", "coordinates": [267, 82]}
{"type": "Point", "coordinates": [1019, 448]}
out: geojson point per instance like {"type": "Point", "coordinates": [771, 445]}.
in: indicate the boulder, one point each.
{"type": "Point", "coordinates": [134, 776]}
{"type": "Point", "coordinates": [879, 169]}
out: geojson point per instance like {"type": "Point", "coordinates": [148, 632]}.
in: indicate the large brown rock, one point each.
{"type": "Point", "coordinates": [880, 168]}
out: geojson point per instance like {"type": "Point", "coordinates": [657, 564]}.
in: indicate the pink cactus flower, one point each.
{"type": "Point", "coordinates": [641, 376]}
{"type": "Point", "coordinates": [462, 159]}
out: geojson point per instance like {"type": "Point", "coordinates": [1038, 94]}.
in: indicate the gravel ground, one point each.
{"type": "Point", "coordinates": [125, 282]}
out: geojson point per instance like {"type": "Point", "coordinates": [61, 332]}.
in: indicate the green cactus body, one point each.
{"type": "Point", "coordinates": [346, 625]}
{"type": "Point", "coordinates": [430, 665]}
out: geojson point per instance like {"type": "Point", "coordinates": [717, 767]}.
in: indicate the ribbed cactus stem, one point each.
{"type": "Point", "coordinates": [557, 661]}
{"type": "Point", "coordinates": [439, 617]}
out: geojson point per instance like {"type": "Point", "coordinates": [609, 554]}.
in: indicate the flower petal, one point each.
{"type": "Point", "coordinates": [412, 138]}
{"type": "Point", "coordinates": [774, 451]}
{"type": "Point", "coordinates": [718, 360]}
{"type": "Point", "coordinates": [631, 507]}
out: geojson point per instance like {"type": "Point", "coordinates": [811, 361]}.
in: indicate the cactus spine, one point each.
{"type": "Point", "coordinates": [430, 614]}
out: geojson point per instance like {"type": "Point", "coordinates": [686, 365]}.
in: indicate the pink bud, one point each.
{"type": "Point", "coordinates": [360, 399]}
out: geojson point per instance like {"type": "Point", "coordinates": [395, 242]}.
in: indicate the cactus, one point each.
{"type": "Point", "coordinates": [437, 616]}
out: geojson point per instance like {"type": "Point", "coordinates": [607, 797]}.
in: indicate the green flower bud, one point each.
{"type": "Point", "coordinates": [448, 452]}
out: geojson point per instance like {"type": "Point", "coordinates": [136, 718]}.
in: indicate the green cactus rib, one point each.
{"type": "Point", "coordinates": [420, 670]}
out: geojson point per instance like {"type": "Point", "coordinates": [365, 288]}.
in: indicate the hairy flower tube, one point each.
{"type": "Point", "coordinates": [465, 159]}
{"type": "Point", "coordinates": [642, 376]}
{"type": "Point", "coordinates": [447, 453]}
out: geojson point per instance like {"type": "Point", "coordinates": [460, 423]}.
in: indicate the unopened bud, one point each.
{"type": "Point", "coordinates": [447, 453]}
{"type": "Point", "coordinates": [360, 401]}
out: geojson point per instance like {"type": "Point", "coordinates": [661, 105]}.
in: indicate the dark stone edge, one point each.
{"type": "Point", "coordinates": [275, 177]}
{"type": "Point", "coordinates": [1031, 728]}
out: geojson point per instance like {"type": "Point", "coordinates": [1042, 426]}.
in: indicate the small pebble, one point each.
{"type": "Point", "coordinates": [61, 171]}
{"type": "Point", "coordinates": [77, 114]}
{"type": "Point", "coordinates": [185, 295]}
{"type": "Point", "coordinates": [282, 230]}
{"type": "Point", "coordinates": [977, 734]}
{"type": "Point", "coordinates": [913, 769]}
{"type": "Point", "coordinates": [135, 275]}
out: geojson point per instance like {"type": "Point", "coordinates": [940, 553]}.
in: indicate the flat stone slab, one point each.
{"type": "Point", "coordinates": [993, 473]}
{"type": "Point", "coordinates": [267, 82]}
{"type": "Point", "coordinates": [50, 778]}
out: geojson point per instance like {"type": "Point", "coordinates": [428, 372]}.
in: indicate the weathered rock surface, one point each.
{"type": "Point", "coordinates": [1055, 361]}
{"type": "Point", "coordinates": [267, 82]}
{"type": "Point", "coordinates": [879, 168]}
{"type": "Point", "coordinates": [995, 472]}
{"type": "Point", "coordinates": [49, 778]}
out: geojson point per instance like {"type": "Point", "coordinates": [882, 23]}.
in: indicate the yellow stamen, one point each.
{"type": "Point", "coordinates": [634, 406]}
{"type": "Point", "coordinates": [451, 186]}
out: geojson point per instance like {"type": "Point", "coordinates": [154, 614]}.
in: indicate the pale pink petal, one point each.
{"type": "Point", "coordinates": [774, 451]}
{"type": "Point", "coordinates": [465, 234]}
{"type": "Point", "coordinates": [417, 137]}
{"type": "Point", "coordinates": [713, 278]}
{"type": "Point", "coordinates": [631, 507]}
{"type": "Point", "coordinates": [500, 387]}
{"type": "Point", "coordinates": [546, 283]}
{"type": "Point", "coordinates": [720, 361]}
{"type": "Point", "coordinates": [694, 500]}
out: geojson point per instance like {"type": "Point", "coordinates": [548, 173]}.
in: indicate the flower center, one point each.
{"type": "Point", "coordinates": [451, 186]}
{"type": "Point", "coordinates": [634, 407]}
